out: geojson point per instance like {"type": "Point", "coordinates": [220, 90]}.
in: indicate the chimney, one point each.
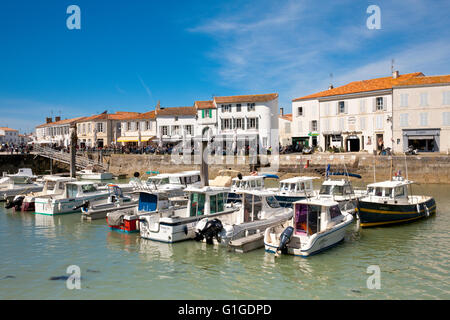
{"type": "Point", "coordinates": [158, 105]}
{"type": "Point", "coordinates": [48, 120]}
{"type": "Point", "coordinates": [281, 111]}
{"type": "Point", "coordinates": [57, 119]}
{"type": "Point", "coordinates": [395, 74]}
{"type": "Point", "coordinates": [330, 87]}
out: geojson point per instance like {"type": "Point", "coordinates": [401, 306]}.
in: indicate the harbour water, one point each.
{"type": "Point", "coordinates": [413, 261]}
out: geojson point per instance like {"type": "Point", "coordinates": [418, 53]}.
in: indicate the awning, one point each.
{"type": "Point", "coordinates": [135, 139]}
{"type": "Point", "coordinates": [412, 137]}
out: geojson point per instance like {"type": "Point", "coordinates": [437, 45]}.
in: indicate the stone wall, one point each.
{"type": "Point", "coordinates": [428, 168]}
{"type": "Point", "coordinates": [40, 165]}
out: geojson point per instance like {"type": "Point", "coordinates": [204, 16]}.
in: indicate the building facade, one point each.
{"type": "Point", "coordinates": [55, 132]}
{"type": "Point", "coordinates": [9, 136]}
{"type": "Point", "coordinates": [175, 124]}
{"type": "Point", "coordinates": [137, 130]}
{"type": "Point", "coordinates": [422, 114]}
{"type": "Point", "coordinates": [285, 129]}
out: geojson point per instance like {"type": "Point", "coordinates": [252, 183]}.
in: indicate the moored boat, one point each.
{"type": "Point", "coordinates": [175, 225]}
{"type": "Point", "coordinates": [9, 188]}
{"type": "Point", "coordinates": [244, 229]}
{"type": "Point", "coordinates": [388, 203]}
{"type": "Point", "coordinates": [317, 225]}
{"type": "Point", "coordinates": [294, 189]}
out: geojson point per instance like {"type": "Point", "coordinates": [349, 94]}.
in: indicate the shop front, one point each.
{"type": "Point", "coordinates": [424, 140]}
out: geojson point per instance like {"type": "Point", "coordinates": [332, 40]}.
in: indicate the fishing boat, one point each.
{"type": "Point", "coordinates": [53, 185]}
{"type": "Point", "coordinates": [71, 200]}
{"type": "Point", "coordinates": [149, 202]}
{"type": "Point", "coordinates": [24, 175]}
{"type": "Point", "coordinates": [317, 225]}
{"type": "Point", "coordinates": [342, 192]}
{"type": "Point", "coordinates": [179, 224]}
{"type": "Point", "coordinates": [388, 203]}
{"type": "Point", "coordinates": [173, 183]}
{"type": "Point", "coordinates": [117, 200]}
{"type": "Point", "coordinates": [94, 173]}
{"type": "Point", "coordinates": [9, 188]}
{"type": "Point", "coordinates": [294, 189]}
{"type": "Point", "coordinates": [244, 229]}
{"type": "Point", "coordinates": [242, 183]}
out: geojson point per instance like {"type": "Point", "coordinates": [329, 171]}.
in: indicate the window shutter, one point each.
{"type": "Point", "coordinates": [346, 106]}
{"type": "Point", "coordinates": [384, 103]}
{"type": "Point", "coordinates": [203, 113]}
{"type": "Point", "coordinates": [210, 113]}
{"type": "Point", "coordinates": [374, 104]}
{"type": "Point", "coordinates": [337, 107]}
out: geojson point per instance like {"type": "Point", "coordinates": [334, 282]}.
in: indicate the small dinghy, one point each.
{"type": "Point", "coordinates": [317, 225]}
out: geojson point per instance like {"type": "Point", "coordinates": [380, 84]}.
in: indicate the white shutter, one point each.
{"type": "Point", "coordinates": [346, 106]}
{"type": "Point", "coordinates": [374, 104]}
{"type": "Point", "coordinates": [384, 103]}
{"type": "Point", "coordinates": [337, 107]}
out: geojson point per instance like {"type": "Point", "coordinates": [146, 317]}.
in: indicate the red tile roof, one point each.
{"type": "Point", "coordinates": [286, 117]}
{"type": "Point", "coordinates": [61, 122]}
{"type": "Point", "coordinates": [176, 111]}
{"type": "Point", "coordinates": [362, 86]}
{"type": "Point", "coordinates": [205, 104]}
{"type": "Point", "coordinates": [425, 80]}
{"type": "Point", "coordinates": [247, 98]}
{"type": "Point", "coordinates": [8, 129]}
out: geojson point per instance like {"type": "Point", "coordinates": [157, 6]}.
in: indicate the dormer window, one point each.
{"type": "Point", "coordinates": [251, 107]}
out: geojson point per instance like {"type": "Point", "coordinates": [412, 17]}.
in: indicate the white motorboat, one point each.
{"type": "Point", "coordinates": [91, 174]}
{"type": "Point", "coordinates": [342, 192]}
{"type": "Point", "coordinates": [172, 183]}
{"type": "Point", "coordinates": [317, 225]}
{"type": "Point", "coordinates": [71, 200]}
{"type": "Point", "coordinates": [24, 175]}
{"type": "Point", "coordinates": [126, 219]}
{"type": "Point", "coordinates": [9, 188]}
{"type": "Point", "coordinates": [53, 185]}
{"type": "Point", "coordinates": [244, 229]}
{"type": "Point", "coordinates": [117, 200]}
{"type": "Point", "coordinates": [294, 189]}
{"type": "Point", "coordinates": [179, 224]}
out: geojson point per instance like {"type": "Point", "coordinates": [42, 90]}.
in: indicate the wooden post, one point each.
{"type": "Point", "coordinates": [73, 150]}
{"type": "Point", "coordinates": [204, 164]}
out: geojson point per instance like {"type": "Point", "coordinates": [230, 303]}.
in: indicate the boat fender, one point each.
{"type": "Point", "coordinates": [418, 208]}
{"type": "Point", "coordinates": [185, 229]}
{"type": "Point", "coordinates": [427, 210]}
{"type": "Point", "coordinates": [285, 237]}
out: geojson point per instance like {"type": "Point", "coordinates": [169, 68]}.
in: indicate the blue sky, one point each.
{"type": "Point", "coordinates": [130, 54]}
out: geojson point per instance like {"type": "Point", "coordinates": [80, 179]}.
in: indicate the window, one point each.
{"type": "Point", "coordinates": [404, 100]}
{"type": "Point", "coordinates": [164, 130]}
{"type": "Point", "coordinates": [446, 98]}
{"type": "Point", "coordinates": [379, 122]}
{"type": "Point", "coordinates": [424, 119]}
{"type": "Point", "coordinates": [100, 127]}
{"type": "Point", "coordinates": [403, 120]}
{"type": "Point", "coordinates": [197, 204]}
{"type": "Point", "coordinates": [250, 107]}
{"type": "Point", "coordinates": [399, 192]}
{"type": "Point", "coordinates": [314, 125]}
{"type": "Point", "coordinates": [175, 130]}
{"type": "Point", "coordinates": [148, 125]}
{"type": "Point", "coordinates": [379, 103]}
{"type": "Point", "coordinates": [239, 123]}
{"type": "Point", "coordinates": [341, 107]}
{"type": "Point", "coordinates": [84, 128]}
{"type": "Point", "coordinates": [287, 127]}
{"type": "Point", "coordinates": [226, 108]}
{"type": "Point", "coordinates": [137, 126]}
{"type": "Point", "coordinates": [300, 111]}
{"type": "Point", "coordinates": [176, 118]}
{"type": "Point", "coordinates": [272, 202]}
{"type": "Point", "coordinates": [88, 188]}
{"type": "Point", "coordinates": [252, 123]}
{"type": "Point", "coordinates": [446, 118]}
{"type": "Point", "coordinates": [128, 126]}
{"type": "Point", "coordinates": [424, 99]}
{"type": "Point", "coordinates": [226, 123]}
{"type": "Point", "coordinates": [89, 127]}
{"type": "Point", "coordinates": [334, 212]}
{"type": "Point", "coordinates": [362, 123]}
{"type": "Point", "coordinates": [238, 107]}
{"type": "Point", "coordinates": [362, 106]}
{"type": "Point", "coordinates": [188, 129]}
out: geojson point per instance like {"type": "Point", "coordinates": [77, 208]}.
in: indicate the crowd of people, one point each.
{"type": "Point", "coordinates": [16, 148]}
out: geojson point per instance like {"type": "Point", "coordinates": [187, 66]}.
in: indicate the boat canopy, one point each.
{"type": "Point", "coordinates": [311, 217]}
{"type": "Point", "coordinates": [147, 201]}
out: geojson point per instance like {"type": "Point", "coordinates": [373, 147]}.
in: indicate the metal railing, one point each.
{"type": "Point", "coordinates": [64, 157]}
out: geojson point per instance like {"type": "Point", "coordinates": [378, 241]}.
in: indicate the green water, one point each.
{"type": "Point", "coordinates": [413, 260]}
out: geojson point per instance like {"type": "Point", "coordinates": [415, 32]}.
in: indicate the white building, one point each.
{"type": "Point", "coordinates": [9, 136]}
{"type": "Point", "coordinates": [248, 117]}
{"type": "Point", "coordinates": [138, 130]}
{"type": "Point", "coordinates": [353, 117]}
{"type": "Point", "coordinates": [175, 124]}
{"type": "Point", "coordinates": [285, 131]}
{"type": "Point", "coordinates": [422, 114]}
{"type": "Point", "coordinates": [55, 132]}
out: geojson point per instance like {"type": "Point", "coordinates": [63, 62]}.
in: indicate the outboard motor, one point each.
{"type": "Point", "coordinates": [208, 230]}
{"type": "Point", "coordinates": [16, 203]}
{"type": "Point", "coordinates": [84, 207]}
{"type": "Point", "coordinates": [285, 237]}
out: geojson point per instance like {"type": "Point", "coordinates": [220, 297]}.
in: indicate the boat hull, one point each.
{"type": "Point", "coordinates": [286, 201]}
{"type": "Point", "coordinates": [65, 206]}
{"type": "Point", "coordinates": [130, 225]}
{"type": "Point", "coordinates": [372, 214]}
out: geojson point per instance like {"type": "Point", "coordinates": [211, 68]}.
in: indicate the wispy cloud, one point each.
{"type": "Point", "coordinates": [292, 47]}
{"type": "Point", "coordinates": [147, 89]}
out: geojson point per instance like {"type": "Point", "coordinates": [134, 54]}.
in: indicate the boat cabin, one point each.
{"type": "Point", "coordinates": [313, 216]}
{"type": "Point", "coordinates": [206, 200]}
{"type": "Point", "coordinates": [334, 188]}
{"type": "Point", "coordinates": [79, 189]}
{"type": "Point", "coordinates": [300, 185]}
{"type": "Point", "coordinates": [53, 185]}
{"type": "Point", "coordinates": [182, 178]}
{"type": "Point", "coordinates": [396, 189]}
{"type": "Point", "coordinates": [257, 205]}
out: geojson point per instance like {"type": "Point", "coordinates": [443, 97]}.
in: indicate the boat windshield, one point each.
{"type": "Point", "coordinates": [197, 201]}
{"type": "Point", "coordinates": [306, 218]}
{"type": "Point", "coordinates": [50, 185]}
{"type": "Point", "coordinates": [325, 189]}
{"type": "Point", "coordinates": [87, 188]}
{"type": "Point", "coordinates": [338, 190]}
{"type": "Point", "coordinates": [272, 202]}
{"type": "Point", "coordinates": [216, 203]}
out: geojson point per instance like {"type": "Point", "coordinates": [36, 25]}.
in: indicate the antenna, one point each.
{"type": "Point", "coordinates": [392, 66]}
{"type": "Point", "coordinates": [331, 80]}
